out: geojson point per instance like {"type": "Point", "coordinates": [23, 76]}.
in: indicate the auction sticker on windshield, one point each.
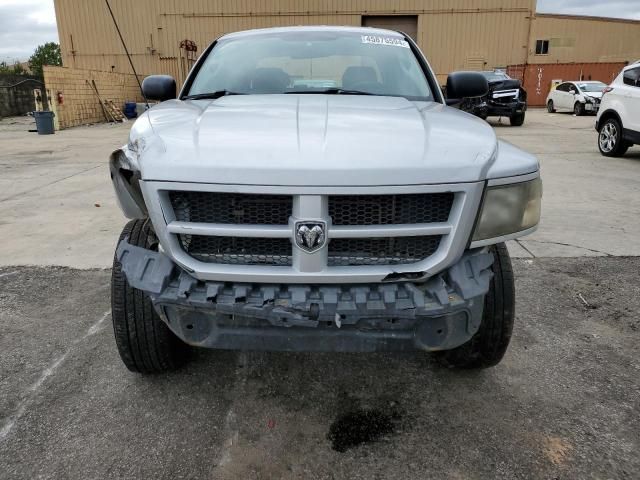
{"type": "Point", "coordinates": [393, 41]}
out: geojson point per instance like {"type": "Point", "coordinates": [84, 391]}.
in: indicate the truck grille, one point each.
{"type": "Point", "coordinates": [506, 97]}
{"type": "Point", "coordinates": [390, 209]}
{"type": "Point", "coordinates": [381, 251]}
{"type": "Point", "coordinates": [238, 250]}
{"type": "Point", "coordinates": [231, 208]}
{"type": "Point", "coordinates": [504, 100]}
{"type": "Point", "coordinates": [228, 214]}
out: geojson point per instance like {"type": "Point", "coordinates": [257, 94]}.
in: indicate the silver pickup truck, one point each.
{"type": "Point", "coordinates": [310, 189]}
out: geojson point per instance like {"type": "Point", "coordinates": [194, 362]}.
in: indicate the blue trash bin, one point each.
{"type": "Point", "coordinates": [44, 122]}
{"type": "Point", "coordinates": [130, 110]}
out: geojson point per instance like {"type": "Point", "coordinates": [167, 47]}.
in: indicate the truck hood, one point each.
{"type": "Point", "coordinates": [312, 140]}
{"type": "Point", "coordinates": [507, 84]}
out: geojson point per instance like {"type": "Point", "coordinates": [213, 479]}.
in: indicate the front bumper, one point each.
{"type": "Point", "coordinates": [442, 313]}
{"type": "Point", "coordinates": [592, 107]}
{"type": "Point", "coordinates": [505, 109]}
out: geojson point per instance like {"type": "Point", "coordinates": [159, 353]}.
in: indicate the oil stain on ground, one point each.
{"type": "Point", "coordinates": [357, 427]}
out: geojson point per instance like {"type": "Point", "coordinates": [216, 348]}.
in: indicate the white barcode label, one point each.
{"type": "Point", "coordinates": [392, 41]}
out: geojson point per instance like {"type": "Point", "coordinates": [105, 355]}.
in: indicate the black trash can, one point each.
{"type": "Point", "coordinates": [44, 122]}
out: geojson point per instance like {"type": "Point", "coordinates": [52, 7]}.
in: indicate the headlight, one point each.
{"type": "Point", "coordinates": [508, 209]}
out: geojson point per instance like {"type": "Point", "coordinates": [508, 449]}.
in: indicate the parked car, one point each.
{"type": "Point", "coordinates": [618, 121]}
{"type": "Point", "coordinates": [505, 98]}
{"type": "Point", "coordinates": [576, 97]}
{"type": "Point", "coordinates": [343, 207]}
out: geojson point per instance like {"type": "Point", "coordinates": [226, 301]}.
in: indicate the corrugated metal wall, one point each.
{"type": "Point", "coordinates": [478, 41]}
{"type": "Point", "coordinates": [452, 34]}
{"type": "Point", "coordinates": [581, 40]}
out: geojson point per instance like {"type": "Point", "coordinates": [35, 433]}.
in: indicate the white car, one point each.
{"type": "Point", "coordinates": [576, 97]}
{"type": "Point", "coordinates": [618, 122]}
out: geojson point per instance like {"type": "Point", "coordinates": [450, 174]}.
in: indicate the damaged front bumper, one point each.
{"type": "Point", "coordinates": [442, 313]}
{"type": "Point", "coordinates": [506, 109]}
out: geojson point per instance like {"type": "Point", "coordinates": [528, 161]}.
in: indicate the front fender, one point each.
{"type": "Point", "coordinates": [125, 176]}
{"type": "Point", "coordinates": [511, 161]}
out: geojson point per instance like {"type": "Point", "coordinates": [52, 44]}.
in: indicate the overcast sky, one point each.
{"type": "Point", "coordinates": [597, 8]}
{"type": "Point", "coordinates": [21, 32]}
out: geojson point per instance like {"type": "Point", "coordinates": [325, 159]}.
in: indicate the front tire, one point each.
{"type": "Point", "coordinates": [550, 107]}
{"type": "Point", "coordinates": [578, 109]}
{"type": "Point", "coordinates": [487, 347]}
{"type": "Point", "coordinates": [517, 119]}
{"type": "Point", "coordinates": [145, 343]}
{"type": "Point", "coordinates": [610, 140]}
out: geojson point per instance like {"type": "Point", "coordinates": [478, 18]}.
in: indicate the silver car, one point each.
{"type": "Point", "coordinates": [310, 189]}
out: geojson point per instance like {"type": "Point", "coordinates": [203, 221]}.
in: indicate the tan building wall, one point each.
{"type": "Point", "coordinates": [453, 34]}
{"type": "Point", "coordinates": [574, 39]}
{"type": "Point", "coordinates": [80, 104]}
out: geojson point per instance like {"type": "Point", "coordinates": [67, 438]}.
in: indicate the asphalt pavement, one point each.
{"type": "Point", "coordinates": [563, 404]}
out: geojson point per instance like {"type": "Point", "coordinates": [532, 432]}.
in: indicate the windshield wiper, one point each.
{"type": "Point", "coordinates": [328, 91]}
{"type": "Point", "coordinates": [333, 91]}
{"type": "Point", "coordinates": [211, 95]}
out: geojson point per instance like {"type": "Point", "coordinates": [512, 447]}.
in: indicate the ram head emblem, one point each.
{"type": "Point", "coordinates": [310, 236]}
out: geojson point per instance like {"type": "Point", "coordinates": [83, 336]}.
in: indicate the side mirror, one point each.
{"type": "Point", "coordinates": [465, 85]}
{"type": "Point", "coordinates": [159, 87]}
{"type": "Point", "coordinates": [572, 92]}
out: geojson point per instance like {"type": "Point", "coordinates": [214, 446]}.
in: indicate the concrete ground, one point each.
{"type": "Point", "coordinates": [564, 403]}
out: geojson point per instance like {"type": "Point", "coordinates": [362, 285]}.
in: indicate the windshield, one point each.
{"type": "Point", "coordinates": [495, 76]}
{"type": "Point", "coordinates": [592, 87]}
{"type": "Point", "coordinates": [313, 62]}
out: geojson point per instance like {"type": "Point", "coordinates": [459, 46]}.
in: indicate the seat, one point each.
{"type": "Point", "coordinates": [269, 80]}
{"type": "Point", "coordinates": [355, 76]}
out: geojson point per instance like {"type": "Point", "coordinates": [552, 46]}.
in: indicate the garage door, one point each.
{"type": "Point", "coordinates": [403, 23]}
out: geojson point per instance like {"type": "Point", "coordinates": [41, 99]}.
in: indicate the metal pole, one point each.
{"type": "Point", "coordinates": [126, 51]}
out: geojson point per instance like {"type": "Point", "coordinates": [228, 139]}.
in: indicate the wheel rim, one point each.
{"type": "Point", "coordinates": [608, 137]}
{"type": "Point", "coordinates": [576, 109]}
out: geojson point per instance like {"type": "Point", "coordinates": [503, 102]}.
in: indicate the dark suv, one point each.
{"type": "Point", "coordinates": [506, 98]}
